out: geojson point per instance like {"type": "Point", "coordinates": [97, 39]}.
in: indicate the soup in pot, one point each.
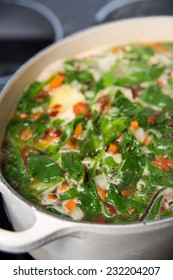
{"type": "Point", "coordinates": [92, 137]}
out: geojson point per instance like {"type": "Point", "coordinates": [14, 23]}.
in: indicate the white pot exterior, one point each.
{"type": "Point", "coordinates": [65, 239]}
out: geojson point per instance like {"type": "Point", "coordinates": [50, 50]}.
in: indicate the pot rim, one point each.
{"type": "Point", "coordinates": [136, 225]}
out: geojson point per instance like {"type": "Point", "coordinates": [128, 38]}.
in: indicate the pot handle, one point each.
{"type": "Point", "coordinates": [112, 6]}
{"type": "Point", "coordinates": [45, 229]}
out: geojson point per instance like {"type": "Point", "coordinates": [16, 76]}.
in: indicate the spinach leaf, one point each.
{"type": "Point", "coordinates": [154, 211]}
{"type": "Point", "coordinates": [154, 95]}
{"type": "Point", "coordinates": [110, 128]}
{"type": "Point", "coordinates": [71, 163]}
{"type": "Point", "coordinates": [44, 168]}
{"type": "Point", "coordinates": [90, 145]}
{"type": "Point", "coordinates": [124, 204]}
{"type": "Point", "coordinates": [90, 202]}
{"type": "Point", "coordinates": [69, 194]}
{"type": "Point", "coordinates": [14, 169]}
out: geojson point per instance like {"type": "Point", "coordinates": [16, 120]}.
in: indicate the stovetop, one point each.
{"type": "Point", "coordinates": [77, 15]}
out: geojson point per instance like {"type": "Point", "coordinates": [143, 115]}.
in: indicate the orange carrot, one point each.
{"type": "Point", "coordinates": [116, 49]}
{"type": "Point", "coordinates": [57, 81]}
{"type": "Point", "coordinates": [80, 108]}
{"type": "Point", "coordinates": [134, 125]}
{"type": "Point", "coordinates": [71, 143]}
{"type": "Point", "coordinates": [78, 130]}
{"type": "Point", "coordinates": [70, 204]}
{"type": "Point", "coordinates": [52, 196]}
{"type": "Point", "coordinates": [145, 141]}
{"type": "Point", "coordinates": [25, 135]}
{"type": "Point", "coordinates": [163, 163]}
{"type": "Point", "coordinates": [63, 188]}
{"type": "Point", "coordinates": [113, 148]}
{"type": "Point", "coordinates": [36, 115]}
{"type": "Point", "coordinates": [132, 210]}
{"type": "Point", "coordinates": [101, 193]}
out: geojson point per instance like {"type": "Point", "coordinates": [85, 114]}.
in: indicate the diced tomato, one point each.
{"type": "Point", "coordinates": [80, 108]}
{"type": "Point", "coordinates": [145, 141]}
{"type": "Point", "coordinates": [156, 113]}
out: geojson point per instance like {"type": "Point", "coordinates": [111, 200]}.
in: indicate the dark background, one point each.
{"type": "Point", "coordinates": [74, 15]}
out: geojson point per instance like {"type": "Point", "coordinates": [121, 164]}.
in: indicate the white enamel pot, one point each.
{"type": "Point", "coordinates": [47, 236]}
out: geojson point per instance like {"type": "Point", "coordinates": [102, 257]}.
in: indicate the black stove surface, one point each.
{"type": "Point", "coordinates": [76, 17]}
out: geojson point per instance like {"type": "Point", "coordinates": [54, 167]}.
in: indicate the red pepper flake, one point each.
{"type": "Point", "coordinates": [54, 113]}
{"type": "Point", "coordinates": [23, 116]}
{"type": "Point", "coordinates": [25, 152]}
{"type": "Point", "coordinates": [53, 133]}
{"type": "Point", "coordinates": [132, 210]}
{"type": "Point", "coordinates": [41, 96]}
{"type": "Point", "coordinates": [135, 91]}
{"type": "Point", "coordinates": [89, 115]}
{"type": "Point", "coordinates": [105, 102]}
{"type": "Point", "coordinates": [151, 120]}
{"type": "Point", "coordinates": [156, 113]}
{"type": "Point", "coordinates": [56, 106]}
{"type": "Point", "coordinates": [125, 193]}
{"type": "Point", "coordinates": [111, 208]}
{"type": "Point", "coordinates": [170, 124]}
{"type": "Point", "coordinates": [163, 163]}
{"type": "Point", "coordinates": [100, 220]}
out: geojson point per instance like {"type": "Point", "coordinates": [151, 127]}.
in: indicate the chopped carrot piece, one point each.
{"type": "Point", "coordinates": [125, 193]}
{"type": "Point", "coordinates": [116, 49]}
{"type": "Point", "coordinates": [101, 194]}
{"type": "Point", "coordinates": [72, 142]}
{"type": "Point", "coordinates": [70, 204]}
{"type": "Point", "coordinates": [78, 130]}
{"type": "Point", "coordinates": [36, 115]}
{"type": "Point", "coordinates": [113, 148]}
{"type": "Point", "coordinates": [145, 141]}
{"type": "Point", "coordinates": [134, 125]}
{"type": "Point", "coordinates": [80, 108]}
{"type": "Point", "coordinates": [25, 135]}
{"type": "Point", "coordinates": [23, 116]}
{"type": "Point", "coordinates": [52, 196]}
{"type": "Point", "coordinates": [151, 120]}
{"type": "Point", "coordinates": [62, 188]}
{"type": "Point", "coordinates": [57, 81]}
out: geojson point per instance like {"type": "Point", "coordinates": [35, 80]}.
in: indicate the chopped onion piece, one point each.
{"type": "Point", "coordinates": [77, 214]}
{"type": "Point", "coordinates": [117, 157]}
{"type": "Point", "coordinates": [101, 181]}
{"type": "Point", "coordinates": [139, 134]}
